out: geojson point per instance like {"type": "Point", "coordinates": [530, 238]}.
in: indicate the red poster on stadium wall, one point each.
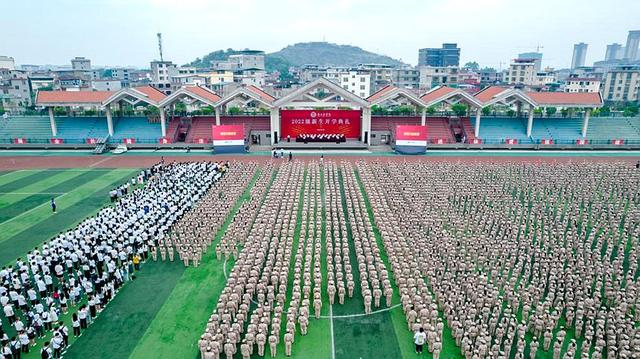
{"type": "Point", "coordinates": [618, 142]}
{"type": "Point", "coordinates": [411, 135]}
{"type": "Point", "coordinates": [20, 141]}
{"type": "Point", "coordinates": [512, 141]}
{"type": "Point", "coordinates": [56, 141]}
{"type": "Point", "coordinates": [582, 142]}
{"type": "Point", "coordinates": [476, 141]}
{"type": "Point", "coordinates": [316, 122]}
{"type": "Point", "coordinates": [546, 141]}
{"type": "Point", "coordinates": [164, 140]}
{"type": "Point", "coordinates": [228, 135]}
{"type": "Point", "coordinates": [92, 141]}
{"type": "Point", "coordinates": [129, 141]}
{"type": "Point", "coordinates": [200, 141]}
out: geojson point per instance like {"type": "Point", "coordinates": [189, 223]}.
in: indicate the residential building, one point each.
{"type": "Point", "coordinates": [448, 55]}
{"type": "Point", "coordinates": [582, 84]}
{"type": "Point", "coordinates": [178, 81]}
{"type": "Point", "coordinates": [161, 72]}
{"type": "Point", "coordinates": [521, 72]}
{"type": "Point", "coordinates": [406, 78]}
{"type": "Point", "coordinates": [614, 52]}
{"type": "Point", "coordinates": [381, 75]}
{"type": "Point", "coordinates": [186, 70]}
{"type": "Point", "coordinates": [81, 64]}
{"type": "Point", "coordinates": [39, 82]}
{"type": "Point", "coordinates": [579, 55]}
{"type": "Point", "coordinates": [431, 77]}
{"type": "Point", "coordinates": [631, 50]}
{"type": "Point", "coordinates": [489, 76]}
{"type": "Point", "coordinates": [15, 90]}
{"type": "Point", "coordinates": [106, 85]}
{"type": "Point", "coordinates": [537, 56]}
{"type": "Point", "coordinates": [545, 78]}
{"type": "Point", "coordinates": [622, 84]}
{"type": "Point", "coordinates": [7, 62]}
{"type": "Point", "coordinates": [219, 76]}
{"type": "Point", "coordinates": [255, 77]}
{"type": "Point", "coordinates": [246, 59]}
{"type": "Point", "coordinates": [356, 82]}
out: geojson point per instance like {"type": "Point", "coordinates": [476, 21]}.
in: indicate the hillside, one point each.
{"type": "Point", "coordinates": [324, 53]}
{"type": "Point", "coordinates": [319, 53]}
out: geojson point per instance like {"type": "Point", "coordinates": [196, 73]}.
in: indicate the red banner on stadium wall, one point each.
{"type": "Point", "coordinates": [476, 141]}
{"type": "Point", "coordinates": [92, 141]}
{"type": "Point", "coordinates": [129, 141]}
{"type": "Point", "coordinates": [227, 135]}
{"type": "Point", "coordinates": [20, 141]}
{"type": "Point", "coordinates": [582, 142]}
{"type": "Point", "coordinates": [411, 135]}
{"type": "Point", "coordinates": [56, 141]}
{"type": "Point", "coordinates": [200, 140]}
{"type": "Point", "coordinates": [618, 142]}
{"type": "Point", "coordinates": [331, 122]}
{"type": "Point", "coordinates": [512, 141]}
{"type": "Point", "coordinates": [164, 140]}
{"type": "Point", "coordinates": [546, 141]}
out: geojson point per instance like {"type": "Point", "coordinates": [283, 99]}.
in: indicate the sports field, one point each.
{"type": "Point", "coordinates": [165, 310]}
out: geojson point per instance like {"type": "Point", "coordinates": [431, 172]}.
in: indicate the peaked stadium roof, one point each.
{"type": "Point", "coordinates": [337, 89]}
{"type": "Point", "coordinates": [72, 98]}
{"type": "Point", "coordinates": [391, 92]}
{"type": "Point", "coordinates": [567, 99]}
{"type": "Point", "coordinates": [443, 93]}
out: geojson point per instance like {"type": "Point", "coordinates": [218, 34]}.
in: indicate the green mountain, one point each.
{"type": "Point", "coordinates": [319, 53]}
{"type": "Point", "coordinates": [327, 54]}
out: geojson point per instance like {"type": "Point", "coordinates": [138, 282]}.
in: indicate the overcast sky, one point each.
{"type": "Point", "coordinates": [123, 32]}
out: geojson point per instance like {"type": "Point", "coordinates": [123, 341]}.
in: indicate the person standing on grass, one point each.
{"type": "Point", "coordinates": [419, 339]}
{"type": "Point", "coordinates": [136, 262]}
{"type": "Point", "coordinates": [53, 205]}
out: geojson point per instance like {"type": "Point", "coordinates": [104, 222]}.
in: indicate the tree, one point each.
{"type": "Point", "coordinates": [486, 111]}
{"type": "Point", "coordinates": [405, 110]}
{"type": "Point", "coordinates": [89, 112]}
{"type": "Point", "coordinates": [605, 111]}
{"type": "Point", "coordinates": [234, 110]}
{"type": "Point", "coordinates": [459, 109]}
{"type": "Point", "coordinates": [1, 109]}
{"type": "Point", "coordinates": [431, 110]}
{"type": "Point", "coordinates": [378, 110]}
{"type": "Point", "coordinates": [180, 108]}
{"type": "Point", "coordinates": [564, 112]}
{"type": "Point", "coordinates": [59, 111]}
{"type": "Point", "coordinates": [151, 111]}
{"type": "Point", "coordinates": [550, 111]}
{"type": "Point", "coordinates": [511, 113]}
{"type": "Point", "coordinates": [207, 110]}
{"type": "Point", "coordinates": [537, 111]}
{"type": "Point", "coordinates": [473, 66]}
{"type": "Point", "coordinates": [630, 111]}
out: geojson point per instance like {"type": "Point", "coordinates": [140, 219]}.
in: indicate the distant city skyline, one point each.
{"type": "Point", "coordinates": [490, 32]}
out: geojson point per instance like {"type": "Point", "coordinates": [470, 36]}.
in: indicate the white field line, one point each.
{"type": "Point", "coordinates": [333, 344]}
{"type": "Point", "coordinates": [32, 193]}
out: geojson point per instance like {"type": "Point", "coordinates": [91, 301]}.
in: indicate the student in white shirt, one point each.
{"type": "Point", "coordinates": [419, 338]}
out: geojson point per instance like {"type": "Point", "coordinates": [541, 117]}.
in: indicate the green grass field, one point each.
{"type": "Point", "coordinates": [163, 312]}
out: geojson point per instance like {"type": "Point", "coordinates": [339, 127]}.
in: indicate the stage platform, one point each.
{"type": "Point", "coordinates": [325, 146]}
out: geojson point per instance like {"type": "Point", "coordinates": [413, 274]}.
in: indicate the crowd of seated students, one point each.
{"type": "Point", "coordinates": [323, 137]}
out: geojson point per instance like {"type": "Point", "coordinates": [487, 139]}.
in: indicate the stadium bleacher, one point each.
{"type": "Point", "coordinates": [200, 128]}
{"type": "Point", "coordinates": [135, 127]}
{"type": "Point", "coordinates": [498, 129]}
{"type": "Point", "coordinates": [36, 129]}
{"type": "Point", "coordinates": [602, 129]}
{"type": "Point", "coordinates": [78, 129]}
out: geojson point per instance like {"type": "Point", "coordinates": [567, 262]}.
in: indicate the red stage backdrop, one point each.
{"type": "Point", "coordinates": [296, 122]}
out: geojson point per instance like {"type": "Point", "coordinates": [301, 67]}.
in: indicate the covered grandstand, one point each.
{"type": "Point", "coordinates": [262, 117]}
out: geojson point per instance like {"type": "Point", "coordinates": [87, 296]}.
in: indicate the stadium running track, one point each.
{"type": "Point", "coordinates": [162, 313]}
